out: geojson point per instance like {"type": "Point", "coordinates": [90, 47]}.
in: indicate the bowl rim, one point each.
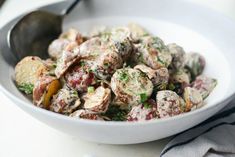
{"type": "Point", "coordinates": [117, 123]}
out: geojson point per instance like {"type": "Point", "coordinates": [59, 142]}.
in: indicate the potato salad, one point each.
{"type": "Point", "coordinates": [115, 74]}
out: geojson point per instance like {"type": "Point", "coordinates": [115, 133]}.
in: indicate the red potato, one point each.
{"type": "Point", "coordinates": [158, 77]}
{"type": "Point", "coordinates": [56, 48]}
{"type": "Point", "coordinates": [193, 99]}
{"type": "Point", "coordinates": [72, 35]}
{"type": "Point", "coordinates": [98, 100]}
{"type": "Point", "coordinates": [178, 81]}
{"type": "Point", "coordinates": [68, 57]}
{"type": "Point", "coordinates": [80, 77]}
{"type": "Point", "coordinates": [204, 85]}
{"type": "Point", "coordinates": [153, 52]}
{"type": "Point", "coordinates": [195, 63]}
{"type": "Point", "coordinates": [85, 114]}
{"type": "Point", "coordinates": [106, 64]}
{"type": "Point", "coordinates": [65, 101]}
{"type": "Point", "coordinates": [129, 84]}
{"type": "Point", "coordinates": [102, 59]}
{"type": "Point", "coordinates": [120, 40]}
{"type": "Point", "coordinates": [137, 31]}
{"type": "Point", "coordinates": [178, 56]}
{"type": "Point", "coordinates": [169, 104]}
{"type": "Point", "coordinates": [143, 112]}
{"type": "Point", "coordinates": [44, 89]}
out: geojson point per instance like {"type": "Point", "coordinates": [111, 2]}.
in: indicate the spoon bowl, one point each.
{"type": "Point", "coordinates": [33, 33]}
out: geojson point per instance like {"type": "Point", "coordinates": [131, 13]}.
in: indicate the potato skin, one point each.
{"type": "Point", "coordinates": [72, 35]}
{"type": "Point", "coordinates": [143, 112]}
{"type": "Point", "coordinates": [44, 89]}
{"type": "Point", "coordinates": [106, 64]}
{"type": "Point", "coordinates": [120, 40]}
{"type": "Point", "coordinates": [195, 63]}
{"type": "Point", "coordinates": [65, 101]}
{"type": "Point", "coordinates": [204, 85]}
{"type": "Point", "coordinates": [128, 84]}
{"type": "Point", "coordinates": [117, 38]}
{"type": "Point", "coordinates": [68, 57]}
{"type": "Point", "coordinates": [102, 59]}
{"type": "Point", "coordinates": [153, 52]}
{"type": "Point", "coordinates": [193, 99]}
{"type": "Point", "coordinates": [56, 48]}
{"type": "Point", "coordinates": [178, 56]}
{"type": "Point", "coordinates": [79, 77]}
{"type": "Point", "coordinates": [179, 80]}
{"type": "Point", "coordinates": [98, 101]}
{"type": "Point", "coordinates": [29, 69]}
{"type": "Point", "coordinates": [169, 104]}
{"type": "Point", "coordinates": [85, 114]}
{"type": "Point", "coordinates": [137, 31]}
{"type": "Point", "coordinates": [151, 73]}
{"type": "Point", "coordinates": [158, 77]}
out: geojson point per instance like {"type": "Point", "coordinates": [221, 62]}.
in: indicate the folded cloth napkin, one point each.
{"type": "Point", "coordinates": [214, 137]}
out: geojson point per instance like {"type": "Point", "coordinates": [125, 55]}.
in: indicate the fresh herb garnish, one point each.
{"type": "Point", "coordinates": [171, 86]}
{"type": "Point", "coordinates": [105, 35]}
{"type": "Point", "coordinates": [158, 43]}
{"type": "Point", "coordinates": [146, 105]}
{"type": "Point", "coordinates": [142, 74]}
{"type": "Point", "coordinates": [143, 97]}
{"type": "Point", "coordinates": [115, 113]}
{"type": "Point", "coordinates": [123, 76]}
{"type": "Point", "coordinates": [161, 61]}
{"type": "Point", "coordinates": [106, 65]}
{"type": "Point", "coordinates": [160, 86]}
{"type": "Point", "coordinates": [121, 47]}
{"type": "Point", "coordinates": [178, 88]}
{"type": "Point", "coordinates": [74, 93]}
{"type": "Point", "coordinates": [27, 88]}
{"type": "Point", "coordinates": [54, 65]}
{"type": "Point", "coordinates": [145, 34]}
{"type": "Point", "coordinates": [90, 89]}
{"type": "Point", "coordinates": [82, 63]}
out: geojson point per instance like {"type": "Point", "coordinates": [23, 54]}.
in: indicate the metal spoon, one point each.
{"type": "Point", "coordinates": [35, 31]}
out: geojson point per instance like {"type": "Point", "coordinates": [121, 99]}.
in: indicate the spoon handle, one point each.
{"type": "Point", "coordinates": [70, 8]}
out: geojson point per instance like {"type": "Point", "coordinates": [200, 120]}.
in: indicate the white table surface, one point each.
{"type": "Point", "coordinates": [22, 135]}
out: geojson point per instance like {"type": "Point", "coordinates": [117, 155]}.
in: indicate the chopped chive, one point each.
{"type": "Point", "coordinates": [27, 88]}
{"type": "Point", "coordinates": [82, 63]}
{"type": "Point", "coordinates": [171, 86]}
{"type": "Point", "coordinates": [54, 65]}
{"type": "Point", "coordinates": [161, 61]}
{"type": "Point", "coordinates": [146, 105]}
{"type": "Point", "coordinates": [106, 65]}
{"type": "Point", "coordinates": [143, 97]}
{"type": "Point", "coordinates": [74, 93]}
{"type": "Point", "coordinates": [90, 89]}
{"type": "Point", "coordinates": [123, 76]}
{"type": "Point", "coordinates": [115, 113]}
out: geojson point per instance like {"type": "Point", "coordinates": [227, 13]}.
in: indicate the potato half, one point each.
{"type": "Point", "coordinates": [98, 101]}
{"type": "Point", "coordinates": [44, 89]}
{"type": "Point", "coordinates": [28, 70]}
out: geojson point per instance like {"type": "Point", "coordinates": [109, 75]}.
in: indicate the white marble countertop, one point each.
{"type": "Point", "coordinates": [22, 135]}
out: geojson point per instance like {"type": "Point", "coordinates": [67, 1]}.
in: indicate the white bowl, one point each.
{"type": "Point", "coordinates": [191, 26]}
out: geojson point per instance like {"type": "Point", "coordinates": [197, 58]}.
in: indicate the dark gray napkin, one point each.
{"type": "Point", "coordinates": [214, 137]}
